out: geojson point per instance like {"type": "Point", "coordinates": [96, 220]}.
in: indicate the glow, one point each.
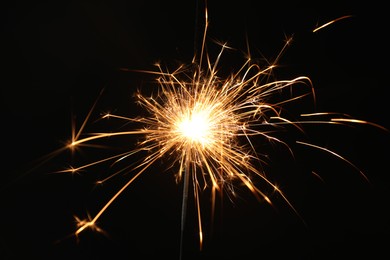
{"type": "Point", "coordinates": [196, 127]}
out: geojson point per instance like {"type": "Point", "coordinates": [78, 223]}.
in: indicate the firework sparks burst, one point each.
{"type": "Point", "coordinates": [207, 123]}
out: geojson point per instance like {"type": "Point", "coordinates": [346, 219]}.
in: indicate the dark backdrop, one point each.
{"type": "Point", "coordinates": [57, 57]}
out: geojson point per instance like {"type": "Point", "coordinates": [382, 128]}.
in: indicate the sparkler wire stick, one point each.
{"type": "Point", "coordinates": [186, 183]}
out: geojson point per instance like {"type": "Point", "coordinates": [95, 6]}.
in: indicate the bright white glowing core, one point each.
{"type": "Point", "coordinates": [196, 127]}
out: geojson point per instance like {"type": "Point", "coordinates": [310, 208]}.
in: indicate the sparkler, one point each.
{"type": "Point", "coordinates": [208, 123]}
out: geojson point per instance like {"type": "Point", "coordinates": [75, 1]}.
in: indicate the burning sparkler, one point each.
{"type": "Point", "coordinates": [207, 123]}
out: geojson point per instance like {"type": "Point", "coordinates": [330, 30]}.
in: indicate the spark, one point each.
{"type": "Point", "coordinates": [330, 22]}
{"type": "Point", "coordinates": [208, 123]}
{"type": "Point", "coordinates": [337, 155]}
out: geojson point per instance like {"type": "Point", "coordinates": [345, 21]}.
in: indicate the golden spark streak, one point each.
{"type": "Point", "coordinates": [331, 22]}
{"type": "Point", "coordinates": [337, 155]}
{"type": "Point", "coordinates": [358, 121]}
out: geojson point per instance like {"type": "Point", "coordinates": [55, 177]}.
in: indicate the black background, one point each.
{"type": "Point", "coordinates": [57, 56]}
